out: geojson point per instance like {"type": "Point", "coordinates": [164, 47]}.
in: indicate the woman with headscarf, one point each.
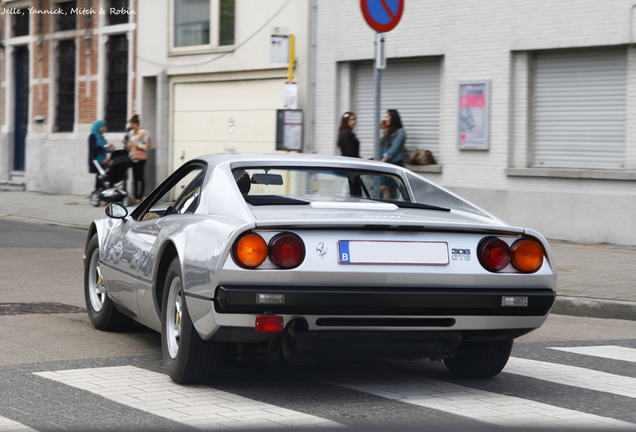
{"type": "Point", "coordinates": [97, 148]}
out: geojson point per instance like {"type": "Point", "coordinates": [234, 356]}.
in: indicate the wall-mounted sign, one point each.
{"type": "Point", "coordinates": [279, 45]}
{"type": "Point", "coordinates": [473, 115]}
{"type": "Point", "coordinates": [289, 130]}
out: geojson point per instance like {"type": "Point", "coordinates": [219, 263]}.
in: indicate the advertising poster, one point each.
{"type": "Point", "coordinates": [473, 116]}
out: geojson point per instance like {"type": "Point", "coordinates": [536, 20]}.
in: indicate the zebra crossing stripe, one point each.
{"type": "Point", "coordinates": [7, 425]}
{"type": "Point", "coordinates": [198, 406]}
{"type": "Point", "coordinates": [612, 352]}
{"type": "Point", "coordinates": [573, 376]}
{"type": "Point", "coordinates": [477, 404]}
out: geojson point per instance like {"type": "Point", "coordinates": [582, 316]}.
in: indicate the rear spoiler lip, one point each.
{"type": "Point", "coordinates": [392, 224]}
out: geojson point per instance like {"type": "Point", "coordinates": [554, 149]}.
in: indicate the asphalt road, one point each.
{"type": "Point", "coordinates": [59, 373]}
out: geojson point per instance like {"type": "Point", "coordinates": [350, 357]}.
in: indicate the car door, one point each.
{"type": "Point", "coordinates": [161, 216]}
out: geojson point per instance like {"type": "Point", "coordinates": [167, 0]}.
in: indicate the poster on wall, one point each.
{"type": "Point", "coordinates": [473, 116]}
{"type": "Point", "coordinates": [289, 130]}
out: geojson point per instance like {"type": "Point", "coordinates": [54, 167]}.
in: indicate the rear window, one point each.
{"type": "Point", "coordinates": [320, 184]}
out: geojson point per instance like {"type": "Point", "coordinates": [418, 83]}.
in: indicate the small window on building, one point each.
{"type": "Point", "coordinates": [191, 22]}
{"type": "Point", "coordinates": [65, 110]}
{"type": "Point", "coordinates": [226, 22]}
{"type": "Point", "coordinates": [118, 12]}
{"type": "Point", "coordinates": [20, 23]}
{"type": "Point", "coordinates": [203, 24]}
{"type": "Point", "coordinates": [117, 81]}
{"type": "Point", "coordinates": [67, 20]}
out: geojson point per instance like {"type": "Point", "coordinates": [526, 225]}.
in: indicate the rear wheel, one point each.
{"type": "Point", "coordinates": [101, 310]}
{"type": "Point", "coordinates": [188, 358]}
{"type": "Point", "coordinates": [483, 359]}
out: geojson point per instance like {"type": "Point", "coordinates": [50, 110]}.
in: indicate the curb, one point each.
{"type": "Point", "coordinates": [596, 308]}
{"type": "Point", "coordinates": [43, 221]}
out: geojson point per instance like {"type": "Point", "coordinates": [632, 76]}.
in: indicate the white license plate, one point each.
{"type": "Point", "coordinates": [392, 252]}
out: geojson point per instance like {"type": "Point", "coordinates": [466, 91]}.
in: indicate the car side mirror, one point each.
{"type": "Point", "coordinates": [116, 211]}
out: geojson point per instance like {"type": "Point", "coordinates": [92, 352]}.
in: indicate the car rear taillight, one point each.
{"type": "Point", "coordinates": [494, 254]}
{"type": "Point", "coordinates": [527, 255]}
{"type": "Point", "coordinates": [250, 250]}
{"type": "Point", "coordinates": [286, 250]}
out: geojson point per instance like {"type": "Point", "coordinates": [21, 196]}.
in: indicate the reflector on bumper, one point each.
{"type": "Point", "coordinates": [269, 324]}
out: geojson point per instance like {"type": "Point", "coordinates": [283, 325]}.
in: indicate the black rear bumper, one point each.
{"type": "Point", "coordinates": [383, 301]}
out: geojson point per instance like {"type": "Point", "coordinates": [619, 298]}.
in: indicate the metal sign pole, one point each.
{"type": "Point", "coordinates": [377, 78]}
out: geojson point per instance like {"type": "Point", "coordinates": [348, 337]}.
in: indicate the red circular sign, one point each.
{"type": "Point", "coordinates": [382, 15]}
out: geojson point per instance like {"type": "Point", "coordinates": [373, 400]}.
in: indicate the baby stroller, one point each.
{"type": "Point", "coordinates": [112, 181]}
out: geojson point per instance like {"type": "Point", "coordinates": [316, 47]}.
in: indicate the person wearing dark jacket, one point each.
{"type": "Point", "coordinates": [347, 141]}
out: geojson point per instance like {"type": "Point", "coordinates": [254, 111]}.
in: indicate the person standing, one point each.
{"type": "Point", "coordinates": [137, 142]}
{"type": "Point", "coordinates": [347, 141]}
{"type": "Point", "coordinates": [97, 148]}
{"type": "Point", "coordinates": [392, 147]}
{"type": "Point", "coordinates": [393, 140]}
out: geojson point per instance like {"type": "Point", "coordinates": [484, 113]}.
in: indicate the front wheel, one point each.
{"type": "Point", "coordinates": [482, 359]}
{"type": "Point", "coordinates": [95, 198]}
{"type": "Point", "coordinates": [101, 310]}
{"type": "Point", "coordinates": [188, 358]}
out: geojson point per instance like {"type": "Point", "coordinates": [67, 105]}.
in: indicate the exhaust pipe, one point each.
{"type": "Point", "coordinates": [297, 327]}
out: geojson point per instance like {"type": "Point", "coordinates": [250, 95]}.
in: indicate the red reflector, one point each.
{"type": "Point", "coordinates": [269, 323]}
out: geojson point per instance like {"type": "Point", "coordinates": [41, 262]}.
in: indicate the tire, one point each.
{"type": "Point", "coordinates": [101, 309]}
{"type": "Point", "coordinates": [480, 359]}
{"type": "Point", "coordinates": [188, 358]}
{"type": "Point", "coordinates": [95, 198]}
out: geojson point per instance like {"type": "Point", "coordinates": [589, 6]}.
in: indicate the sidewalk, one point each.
{"type": "Point", "coordinates": [593, 280]}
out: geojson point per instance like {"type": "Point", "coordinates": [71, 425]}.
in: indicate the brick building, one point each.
{"type": "Point", "coordinates": [559, 77]}
{"type": "Point", "coordinates": [65, 64]}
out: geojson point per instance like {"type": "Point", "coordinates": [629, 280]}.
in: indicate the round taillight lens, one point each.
{"type": "Point", "coordinates": [527, 255]}
{"type": "Point", "coordinates": [494, 254]}
{"type": "Point", "coordinates": [287, 250]}
{"type": "Point", "coordinates": [250, 250]}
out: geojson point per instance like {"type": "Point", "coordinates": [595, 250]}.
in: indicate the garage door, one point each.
{"type": "Point", "coordinates": [224, 116]}
{"type": "Point", "coordinates": [409, 85]}
{"type": "Point", "coordinates": [580, 108]}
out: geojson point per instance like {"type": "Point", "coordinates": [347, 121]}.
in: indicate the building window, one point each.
{"type": "Point", "coordinates": [20, 23]}
{"type": "Point", "coordinates": [226, 23]}
{"type": "Point", "coordinates": [118, 12]}
{"type": "Point", "coordinates": [579, 108]}
{"type": "Point", "coordinates": [65, 115]}
{"type": "Point", "coordinates": [191, 22]}
{"type": "Point", "coordinates": [117, 92]}
{"type": "Point", "coordinates": [203, 24]}
{"type": "Point", "coordinates": [67, 20]}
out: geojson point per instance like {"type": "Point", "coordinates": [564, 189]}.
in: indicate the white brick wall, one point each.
{"type": "Point", "coordinates": [489, 41]}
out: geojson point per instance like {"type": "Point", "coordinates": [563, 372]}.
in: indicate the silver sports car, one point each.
{"type": "Point", "coordinates": [308, 258]}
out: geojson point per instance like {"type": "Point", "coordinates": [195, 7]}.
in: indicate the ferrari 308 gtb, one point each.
{"type": "Point", "coordinates": [313, 258]}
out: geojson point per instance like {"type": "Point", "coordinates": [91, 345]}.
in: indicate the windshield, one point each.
{"type": "Point", "coordinates": [320, 184]}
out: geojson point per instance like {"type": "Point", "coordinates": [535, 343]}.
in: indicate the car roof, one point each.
{"type": "Point", "coordinates": [294, 158]}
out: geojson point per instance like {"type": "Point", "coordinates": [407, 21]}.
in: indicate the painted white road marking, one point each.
{"type": "Point", "coordinates": [198, 406]}
{"type": "Point", "coordinates": [468, 402]}
{"type": "Point", "coordinates": [573, 376]}
{"type": "Point", "coordinates": [7, 425]}
{"type": "Point", "coordinates": [612, 352]}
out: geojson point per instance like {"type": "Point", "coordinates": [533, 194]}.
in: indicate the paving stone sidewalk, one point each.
{"type": "Point", "coordinates": [594, 279]}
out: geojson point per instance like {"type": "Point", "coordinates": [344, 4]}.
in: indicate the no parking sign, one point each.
{"type": "Point", "coordinates": [382, 15]}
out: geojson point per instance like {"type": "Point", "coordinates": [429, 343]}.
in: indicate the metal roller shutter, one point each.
{"type": "Point", "coordinates": [579, 109]}
{"type": "Point", "coordinates": [411, 86]}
